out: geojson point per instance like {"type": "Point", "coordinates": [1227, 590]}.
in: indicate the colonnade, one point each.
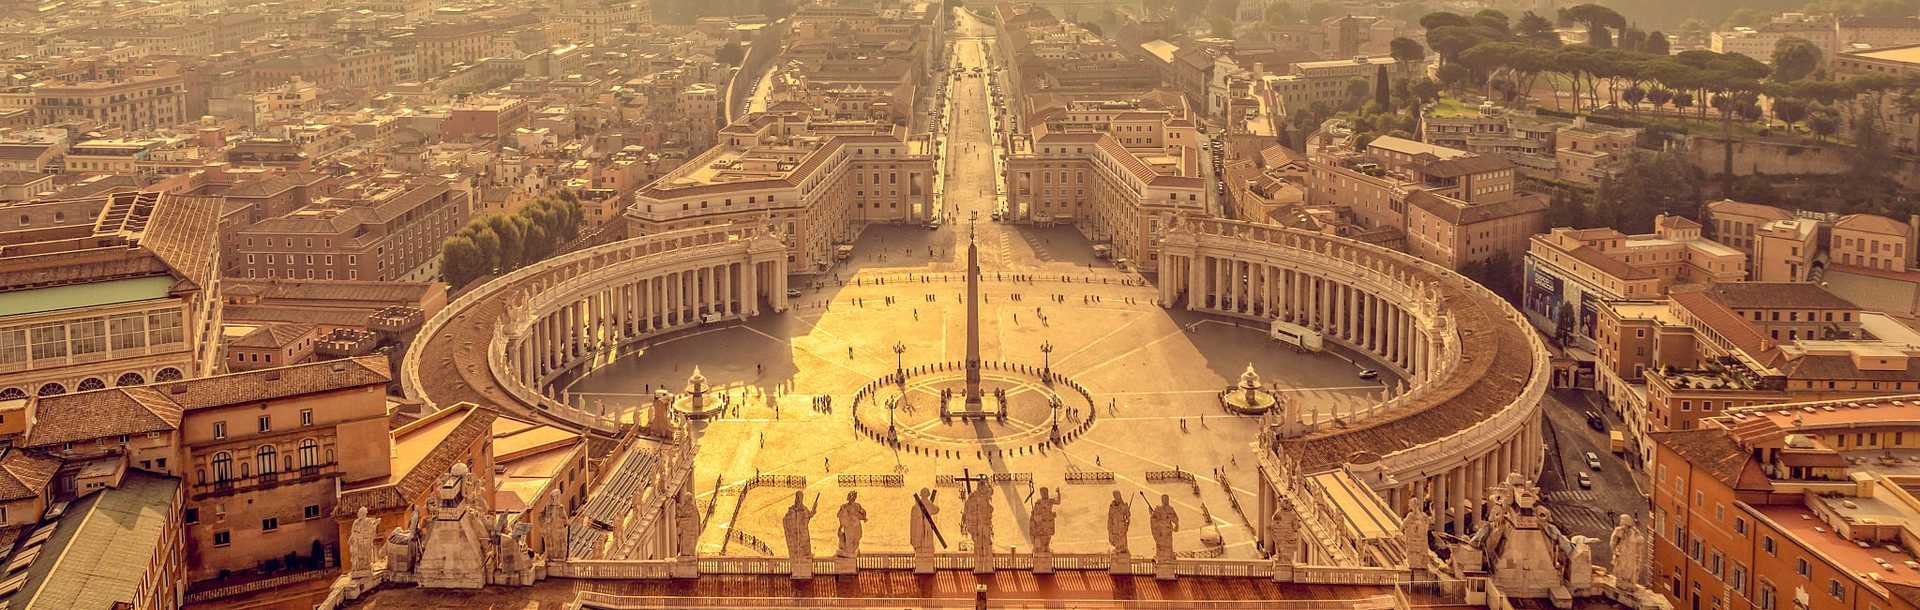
{"type": "Point", "coordinates": [635, 305]}
{"type": "Point", "coordinates": [1388, 306]}
{"type": "Point", "coordinates": [1376, 319]}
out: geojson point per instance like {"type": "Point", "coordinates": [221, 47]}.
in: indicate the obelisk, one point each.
{"type": "Point", "coordinates": [973, 405]}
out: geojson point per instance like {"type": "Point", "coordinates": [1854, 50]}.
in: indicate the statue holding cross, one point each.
{"type": "Point", "coordinates": [976, 519]}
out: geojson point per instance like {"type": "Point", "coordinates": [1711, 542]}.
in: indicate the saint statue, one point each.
{"type": "Point", "coordinates": [799, 540]}
{"type": "Point", "coordinates": [1163, 521]}
{"type": "Point", "coordinates": [1040, 522]}
{"type": "Point", "coordinates": [361, 541]}
{"type": "Point", "coordinates": [1119, 517]}
{"type": "Point", "coordinates": [921, 531]}
{"type": "Point", "coordinates": [1629, 550]}
{"type": "Point", "coordinates": [686, 525]}
{"type": "Point", "coordinates": [555, 522]}
{"type": "Point", "coordinates": [852, 517]}
{"type": "Point", "coordinates": [976, 518]}
{"type": "Point", "coordinates": [1284, 536]}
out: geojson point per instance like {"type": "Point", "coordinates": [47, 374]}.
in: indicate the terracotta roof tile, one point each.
{"type": "Point", "coordinates": [268, 384]}
{"type": "Point", "coordinates": [1712, 450]}
{"type": "Point", "coordinates": [84, 416]}
{"type": "Point", "coordinates": [25, 475]}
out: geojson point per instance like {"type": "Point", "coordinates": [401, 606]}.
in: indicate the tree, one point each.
{"type": "Point", "coordinates": [485, 244]}
{"type": "Point", "coordinates": [511, 250]}
{"type": "Point", "coordinates": [1450, 41]}
{"type": "Point", "coordinates": [1745, 17]}
{"type": "Point", "coordinates": [1599, 20]}
{"type": "Point", "coordinates": [1656, 44]}
{"type": "Point", "coordinates": [1454, 76]}
{"type": "Point", "coordinates": [1683, 100]}
{"type": "Point", "coordinates": [1423, 90]}
{"type": "Point", "coordinates": [1434, 21]}
{"type": "Point", "coordinates": [1794, 58]}
{"type": "Point", "coordinates": [1536, 30]}
{"type": "Point", "coordinates": [1630, 39]}
{"type": "Point", "coordinates": [731, 54]}
{"type": "Point", "coordinates": [1650, 184]}
{"type": "Point", "coordinates": [1659, 96]}
{"type": "Point", "coordinates": [1406, 50]}
{"type": "Point", "coordinates": [460, 262]}
{"type": "Point", "coordinates": [1494, 20]}
{"type": "Point", "coordinates": [1357, 90]}
{"type": "Point", "coordinates": [1221, 27]}
{"type": "Point", "coordinates": [1634, 94]}
{"type": "Point", "coordinates": [1791, 110]}
{"type": "Point", "coordinates": [1824, 122]}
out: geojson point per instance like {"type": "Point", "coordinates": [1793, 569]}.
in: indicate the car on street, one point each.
{"type": "Point", "coordinates": [1593, 461]}
{"type": "Point", "coordinates": [1594, 421]}
{"type": "Point", "coordinates": [1369, 374]}
{"type": "Point", "coordinates": [793, 293]}
{"type": "Point", "coordinates": [933, 225]}
{"type": "Point", "coordinates": [1586, 481]}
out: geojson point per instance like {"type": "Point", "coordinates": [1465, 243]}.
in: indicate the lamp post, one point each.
{"type": "Point", "coordinates": [899, 361]}
{"type": "Point", "coordinates": [1046, 359]}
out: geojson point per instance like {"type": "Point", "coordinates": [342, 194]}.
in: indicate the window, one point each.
{"type": "Point", "coordinates": [266, 421]}
{"type": "Point", "coordinates": [311, 512]}
{"type": "Point", "coordinates": [222, 538]}
{"type": "Point", "coordinates": [1739, 580]}
{"type": "Point", "coordinates": [1766, 544]}
{"type": "Point", "coordinates": [1740, 526]}
{"type": "Point", "coordinates": [264, 458]}
{"type": "Point", "coordinates": [309, 453]}
{"type": "Point", "coordinates": [1837, 590]}
{"type": "Point", "coordinates": [127, 331]}
{"type": "Point", "coordinates": [1801, 567]}
{"type": "Point", "coordinates": [192, 516]}
{"type": "Point", "coordinates": [222, 466]}
{"type": "Point", "coordinates": [219, 430]}
{"type": "Point", "coordinates": [1766, 596]}
{"type": "Point", "coordinates": [306, 417]}
{"type": "Point", "coordinates": [269, 524]}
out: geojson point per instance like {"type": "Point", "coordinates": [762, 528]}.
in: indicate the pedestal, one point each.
{"type": "Point", "coordinates": [1121, 564]}
{"type": "Point", "coordinates": [1163, 569]}
{"type": "Point", "coordinates": [923, 563]}
{"type": "Point", "coordinates": [802, 568]}
{"type": "Point", "coordinates": [1282, 572]}
{"type": "Point", "coordinates": [845, 565]}
{"type": "Point", "coordinates": [686, 567]}
{"type": "Point", "coordinates": [983, 563]}
{"type": "Point", "coordinates": [1043, 563]}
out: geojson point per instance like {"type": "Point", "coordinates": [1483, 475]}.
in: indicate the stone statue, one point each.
{"type": "Point", "coordinates": [1284, 537]}
{"type": "Point", "coordinates": [555, 522]}
{"type": "Point", "coordinates": [852, 519]}
{"type": "Point", "coordinates": [1119, 517]}
{"type": "Point", "coordinates": [976, 518]}
{"type": "Point", "coordinates": [921, 517]}
{"type": "Point", "coordinates": [1413, 535]}
{"type": "Point", "coordinates": [1040, 521]}
{"type": "Point", "coordinates": [1629, 551]}
{"type": "Point", "coordinates": [1163, 522]}
{"type": "Point", "coordinates": [400, 550]}
{"type": "Point", "coordinates": [686, 525]}
{"type": "Point", "coordinates": [1580, 562]}
{"type": "Point", "coordinates": [361, 542]}
{"type": "Point", "coordinates": [799, 540]}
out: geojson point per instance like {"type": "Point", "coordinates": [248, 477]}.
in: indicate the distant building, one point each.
{"type": "Point", "coordinates": [379, 229]}
{"type": "Point", "coordinates": [1569, 272]}
{"type": "Point", "coordinates": [104, 291]}
{"type": "Point", "coordinates": [1454, 208]}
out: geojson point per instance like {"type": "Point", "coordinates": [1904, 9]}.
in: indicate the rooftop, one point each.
{"type": "Point", "coordinates": [96, 555]}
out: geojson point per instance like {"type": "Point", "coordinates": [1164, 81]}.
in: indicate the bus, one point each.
{"type": "Point", "coordinates": [1300, 337]}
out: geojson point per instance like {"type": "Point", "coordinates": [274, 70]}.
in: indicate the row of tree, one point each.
{"type": "Point", "coordinates": [500, 243]}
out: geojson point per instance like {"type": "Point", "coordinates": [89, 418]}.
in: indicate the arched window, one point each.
{"type": "Point", "coordinates": [127, 379]}
{"type": "Point", "coordinates": [92, 383]}
{"type": "Point", "coordinates": [52, 389]}
{"type": "Point", "coordinates": [167, 374]}
{"type": "Point", "coordinates": [12, 394]}
{"type": "Point", "coordinates": [222, 466]}
{"type": "Point", "coordinates": [309, 453]}
{"type": "Point", "coordinates": [265, 459]}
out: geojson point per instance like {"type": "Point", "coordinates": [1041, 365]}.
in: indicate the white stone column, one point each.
{"type": "Point", "coordinates": [1196, 282]}
{"type": "Point", "coordinates": [750, 284]}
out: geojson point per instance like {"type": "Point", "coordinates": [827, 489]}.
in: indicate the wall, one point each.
{"type": "Point", "coordinates": [1784, 158]}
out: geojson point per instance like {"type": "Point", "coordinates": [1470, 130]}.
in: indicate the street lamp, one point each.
{"type": "Point", "coordinates": [1046, 359]}
{"type": "Point", "coordinates": [899, 361]}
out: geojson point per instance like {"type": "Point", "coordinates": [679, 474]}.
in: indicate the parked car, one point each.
{"type": "Point", "coordinates": [1586, 481]}
{"type": "Point", "coordinates": [1593, 461]}
{"type": "Point", "coordinates": [793, 293]}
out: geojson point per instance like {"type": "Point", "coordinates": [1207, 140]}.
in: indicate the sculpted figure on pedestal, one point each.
{"type": "Point", "coordinates": [1119, 518]}
{"type": "Point", "coordinates": [1041, 521]}
{"type": "Point", "coordinates": [853, 518]}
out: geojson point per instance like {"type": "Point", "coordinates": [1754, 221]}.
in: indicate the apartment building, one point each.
{"type": "Point", "coordinates": [1117, 170]}
{"type": "Point", "coordinates": [1455, 208]}
{"type": "Point", "coordinates": [1570, 271]}
{"type": "Point", "coordinates": [1798, 503]}
{"type": "Point", "coordinates": [114, 290]}
{"type": "Point", "coordinates": [133, 102]}
{"type": "Point", "coordinates": [1664, 365]}
{"type": "Point", "coordinates": [816, 181]}
{"type": "Point", "coordinates": [1737, 224]}
{"type": "Point", "coordinates": [378, 228]}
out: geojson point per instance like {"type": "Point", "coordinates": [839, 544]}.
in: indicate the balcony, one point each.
{"type": "Point", "coordinates": [262, 482]}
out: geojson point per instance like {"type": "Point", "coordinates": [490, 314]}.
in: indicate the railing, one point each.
{"type": "Point", "coordinates": [265, 480]}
